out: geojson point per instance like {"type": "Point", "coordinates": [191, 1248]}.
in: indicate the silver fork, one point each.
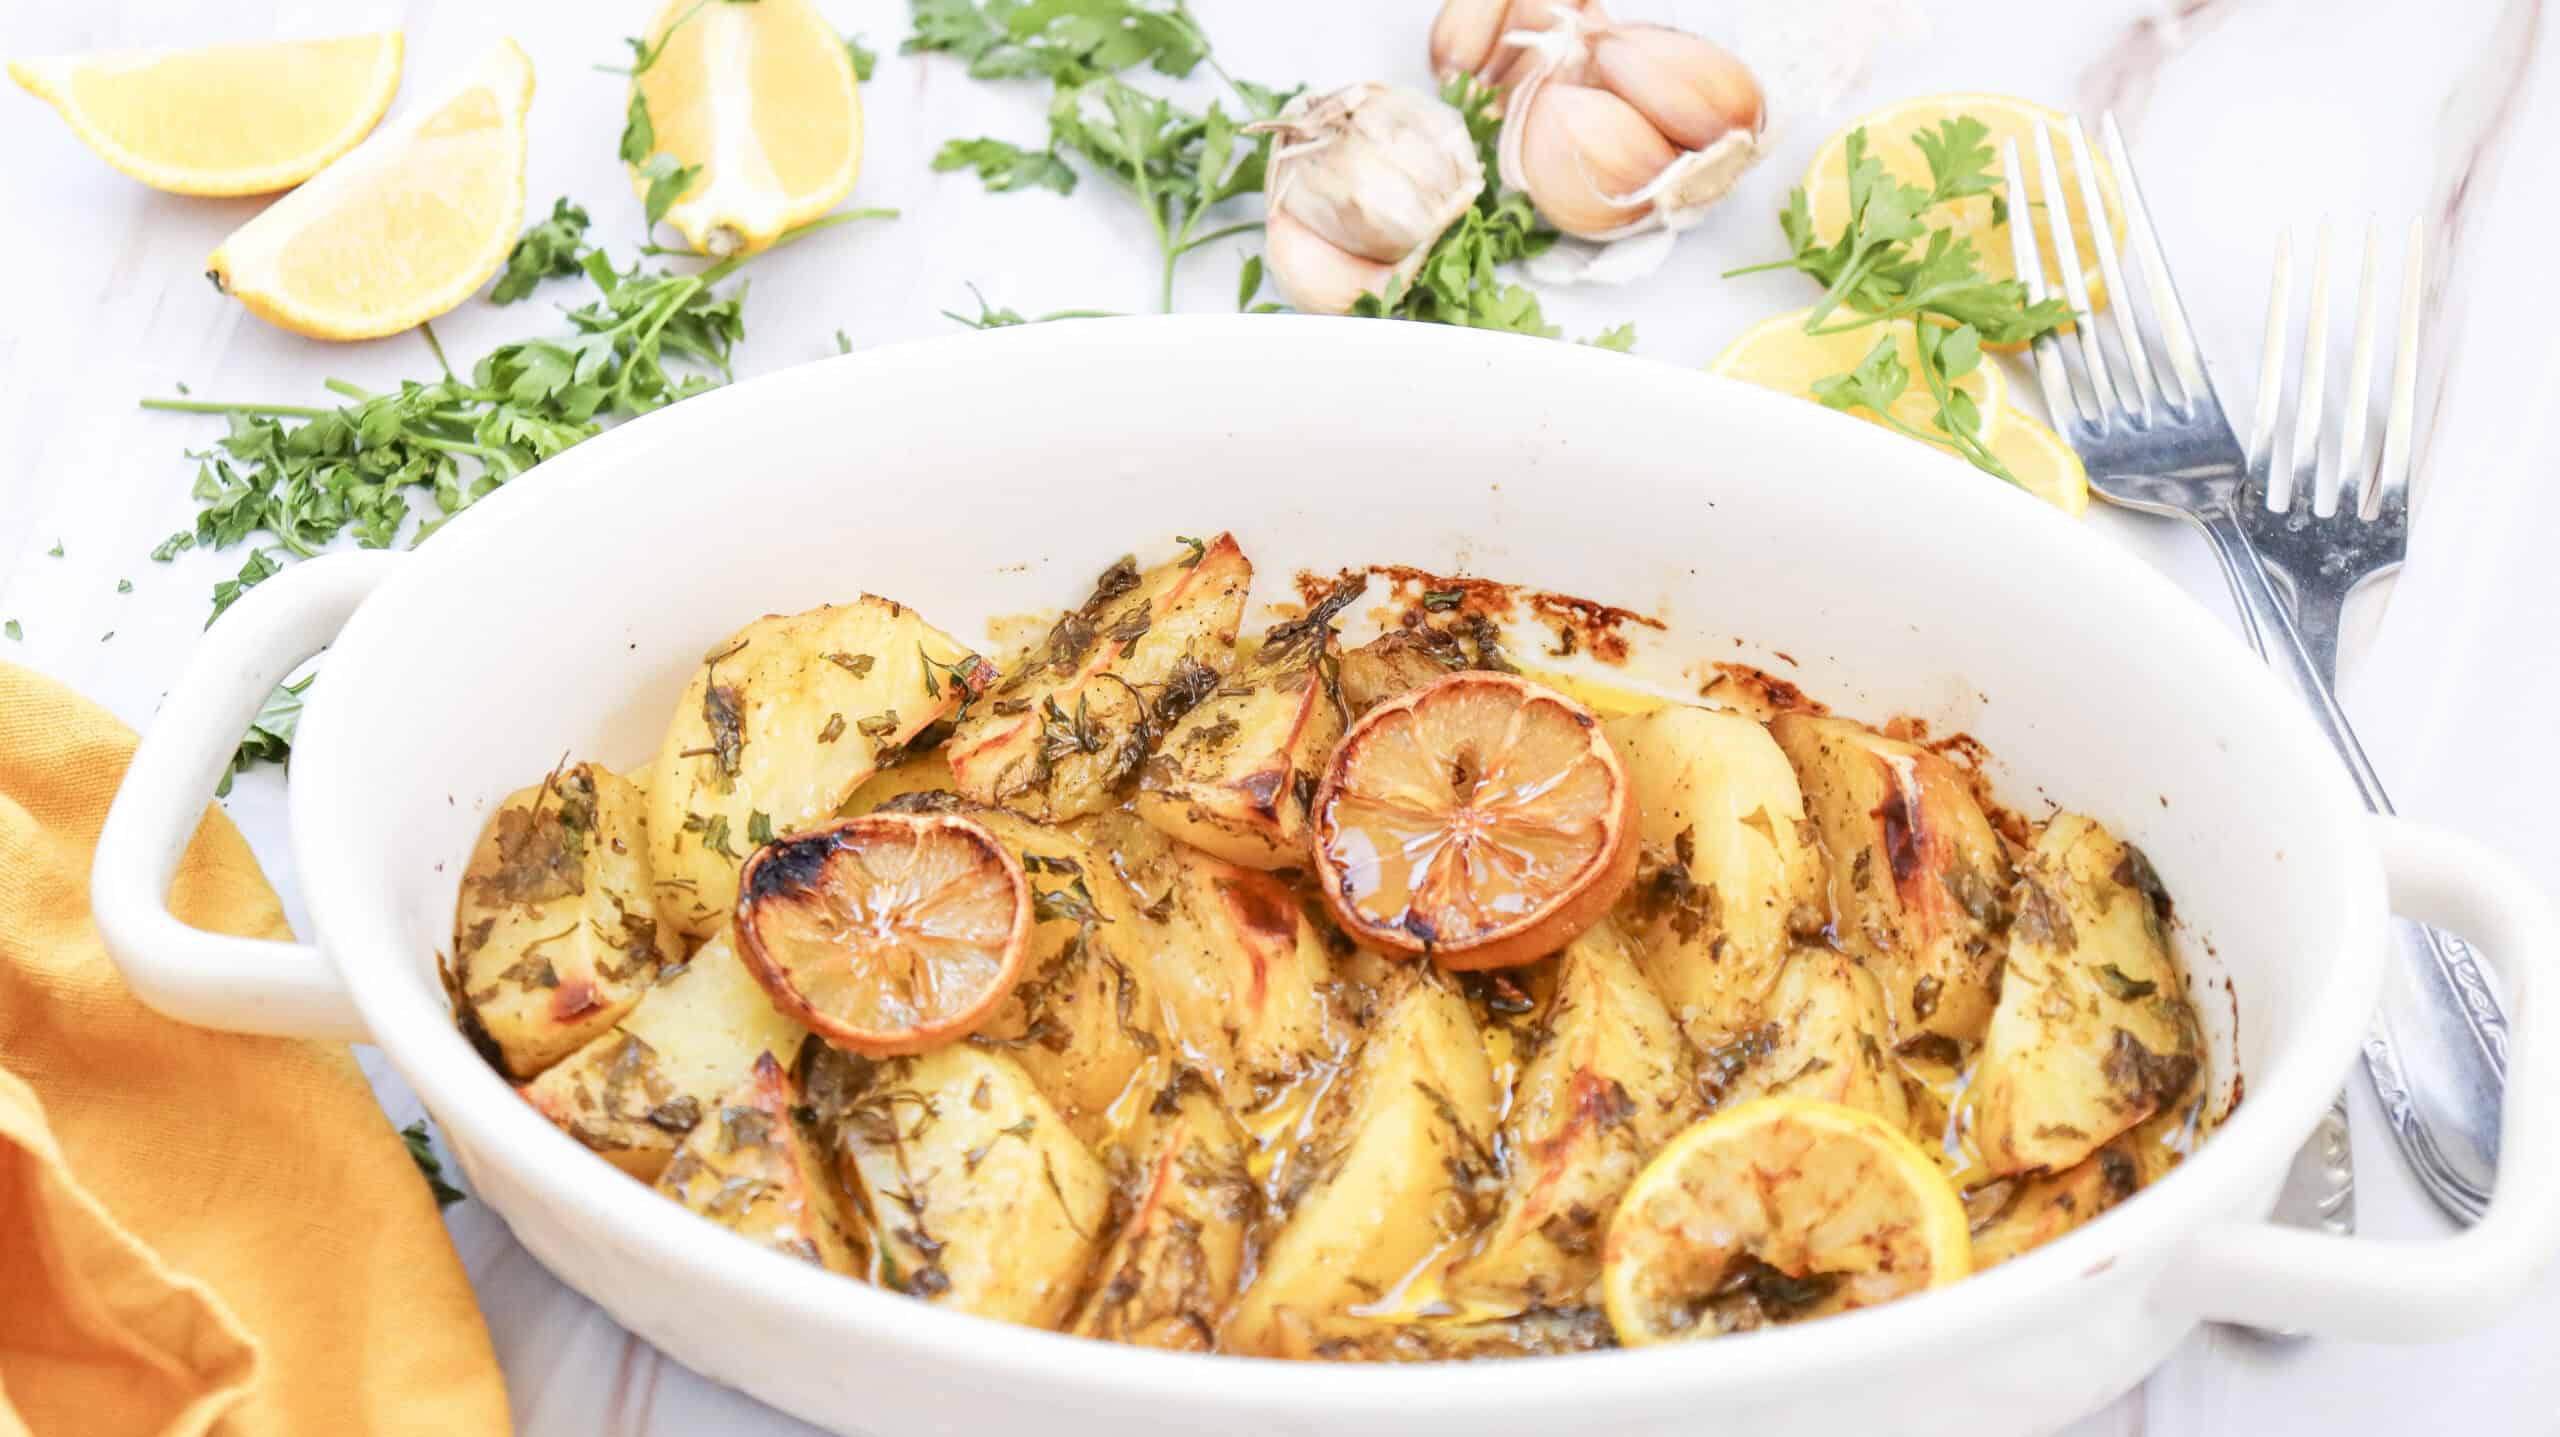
{"type": "Point", "coordinates": [2175, 453]}
{"type": "Point", "coordinates": [2324, 533]}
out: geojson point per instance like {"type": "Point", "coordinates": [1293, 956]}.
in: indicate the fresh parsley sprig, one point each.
{"type": "Point", "coordinates": [1888, 262]}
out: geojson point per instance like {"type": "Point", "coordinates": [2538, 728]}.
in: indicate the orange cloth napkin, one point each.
{"type": "Point", "coordinates": [199, 1232]}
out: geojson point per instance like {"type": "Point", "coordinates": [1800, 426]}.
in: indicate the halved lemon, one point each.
{"type": "Point", "coordinates": [1774, 1211]}
{"type": "Point", "coordinates": [224, 119]}
{"type": "Point", "coordinates": [1889, 132]}
{"type": "Point", "coordinates": [887, 934]}
{"type": "Point", "coordinates": [400, 229]}
{"type": "Point", "coordinates": [763, 98]}
{"type": "Point", "coordinates": [1481, 820]}
{"type": "Point", "coordinates": [2045, 466]}
{"type": "Point", "coordinates": [1777, 354]}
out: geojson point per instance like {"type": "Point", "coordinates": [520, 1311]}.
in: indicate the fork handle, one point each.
{"type": "Point", "coordinates": [2438, 1051]}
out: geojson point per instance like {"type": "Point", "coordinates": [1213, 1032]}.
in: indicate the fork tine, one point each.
{"type": "Point", "coordinates": [2391, 486]}
{"type": "Point", "coordinates": [2059, 399]}
{"type": "Point", "coordinates": [2351, 439]}
{"type": "Point", "coordinates": [2262, 426]}
{"type": "Point", "coordinates": [2305, 491]}
{"type": "Point", "coordinates": [2057, 224]}
{"type": "Point", "coordinates": [2177, 336]}
{"type": "Point", "coordinates": [2102, 239]}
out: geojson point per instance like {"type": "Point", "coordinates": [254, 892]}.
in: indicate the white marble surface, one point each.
{"type": "Point", "coordinates": [2244, 116]}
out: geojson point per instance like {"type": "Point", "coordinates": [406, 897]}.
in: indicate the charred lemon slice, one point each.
{"type": "Point", "coordinates": [887, 934]}
{"type": "Point", "coordinates": [1776, 1211]}
{"type": "Point", "coordinates": [1482, 820]}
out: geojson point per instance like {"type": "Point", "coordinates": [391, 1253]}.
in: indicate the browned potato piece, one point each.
{"type": "Point", "coordinates": [1731, 870]}
{"type": "Point", "coordinates": [1170, 1272]}
{"type": "Point", "coordinates": [1069, 727]}
{"type": "Point", "coordinates": [1235, 777]}
{"type": "Point", "coordinates": [750, 1167]}
{"type": "Point", "coordinates": [2093, 1032]}
{"type": "Point", "coordinates": [634, 1091]}
{"type": "Point", "coordinates": [784, 721]}
{"type": "Point", "coordinates": [980, 1198]}
{"type": "Point", "coordinates": [1395, 662]}
{"type": "Point", "coordinates": [2036, 1210]}
{"type": "Point", "coordinates": [1607, 1084]}
{"type": "Point", "coordinates": [1825, 1037]}
{"type": "Point", "coordinates": [557, 933]}
{"type": "Point", "coordinates": [1403, 1164]}
{"type": "Point", "coordinates": [1917, 873]}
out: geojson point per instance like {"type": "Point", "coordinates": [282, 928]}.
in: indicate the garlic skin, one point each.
{"type": "Point", "coordinates": [1362, 181]}
{"type": "Point", "coordinates": [1466, 36]}
{"type": "Point", "coordinates": [1619, 129]}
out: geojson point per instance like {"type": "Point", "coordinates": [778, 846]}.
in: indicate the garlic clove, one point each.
{"type": "Point", "coordinates": [1376, 170]}
{"type": "Point", "coordinates": [1315, 275]}
{"type": "Point", "coordinates": [1464, 34]}
{"type": "Point", "coordinates": [1692, 89]}
{"type": "Point", "coordinates": [1583, 150]}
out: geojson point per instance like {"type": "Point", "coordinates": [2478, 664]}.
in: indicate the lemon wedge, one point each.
{"type": "Point", "coordinates": [762, 98]}
{"type": "Point", "coordinates": [1777, 354]}
{"type": "Point", "coordinates": [2045, 466]}
{"type": "Point", "coordinates": [1776, 1211]}
{"type": "Point", "coordinates": [1889, 132]}
{"type": "Point", "coordinates": [225, 119]}
{"type": "Point", "coordinates": [400, 229]}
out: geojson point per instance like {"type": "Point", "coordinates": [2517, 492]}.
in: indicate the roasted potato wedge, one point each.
{"type": "Point", "coordinates": [1826, 1036]}
{"type": "Point", "coordinates": [786, 719]}
{"type": "Point", "coordinates": [979, 1196]}
{"type": "Point", "coordinates": [1732, 870]}
{"type": "Point", "coordinates": [1917, 873]}
{"type": "Point", "coordinates": [2093, 1032]}
{"type": "Point", "coordinates": [1402, 1164]}
{"type": "Point", "coordinates": [1170, 1272]}
{"type": "Point", "coordinates": [1607, 1083]}
{"type": "Point", "coordinates": [558, 930]}
{"type": "Point", "coordinates": [2025, 1213]}
{"type": "Point", "coordinates": [751, 1167]}
{"type": "Point", "coordinates": [1235, 776]}
{"type": "Point", "coordinates": [634, 1091]}
{"type": "Point", "coordinates": [1069, 727]}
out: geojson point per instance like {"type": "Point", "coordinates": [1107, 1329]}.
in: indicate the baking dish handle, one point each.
{"type": "Point", "coordinates": [2284, 1278]}
{"type": "Point", "coordinates": [214, 980]}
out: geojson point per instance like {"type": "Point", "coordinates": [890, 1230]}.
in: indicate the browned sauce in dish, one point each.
{"type": "Point", "coordinates": [1381, 1000]}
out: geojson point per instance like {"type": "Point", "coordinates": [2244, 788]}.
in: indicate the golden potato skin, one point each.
{"type": "Point", "coordinates": [980, 1198]}
{"type": "Point", "coordinates": [2036, 1210]}
{"type": "Point", "coordinates": [634, 1091]}
{"type": "Point", "coordinates": [2093, 1032]}
{"type": "Point", "coordinates": [1826, 1035]}
{"type": "Point", "coordinates": [1400, 1164]}
{"type": "Point", "coordinates": [1171, 1271]}
{"type": "Point", "coordinates": [1608, 1082]}
{"type": "Point", "coordinates": [1917, 873]}
{"type": "Point", "coordinates": [1234, 777]}
{"type": "Point", "coordinates": [1068, 728]}
{"type": "Point", "coordinates": [1732, 871]}
{"type": "Point", "coordinates": [1398, 661]}
{"type": "Point", "coordinates": [751, 1167]}
{"type": "Point", "coordinates": [785, 719]}
{"type": "Point", "coordinates": [557, 932]}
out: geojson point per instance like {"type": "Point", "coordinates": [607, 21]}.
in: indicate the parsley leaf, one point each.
{"type": "Point", "coordinates": [548, 250]}
{"type": "Point", "coordinates": [260, 567]}
{"type": "Point", "coordinates": [16, 634]}
{"type": "Point", "coordinates": [270, 736]}
{"type": "Point", "coordinates": [865, 59]}
{"type": "Point", "coordinates": [415, 1135]}
{"type": "Point", "coordinates": [667, 183]}
{"type": "Point", "coordinates": [1004, 165]}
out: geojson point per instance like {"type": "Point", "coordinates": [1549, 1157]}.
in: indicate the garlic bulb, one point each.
{"type": "Point", "coordinates": [1466, 38]}
{"type": "Point", "coordinates": [1361, 182]}
{"type": "Point", "coordinates": [1618, 129]}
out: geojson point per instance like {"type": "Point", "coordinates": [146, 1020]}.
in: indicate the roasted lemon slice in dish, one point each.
{"type": "Point", "coordinates": [1482, 820]}
{"type": "Point", "coordinates": [887, 934]}
{"type": "Point", "coordinates": [1775, 1211]}
{"type": "Point", "coordinates": [224, 119]}
{"type": "Point", "coordinates": [1889, 132]}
